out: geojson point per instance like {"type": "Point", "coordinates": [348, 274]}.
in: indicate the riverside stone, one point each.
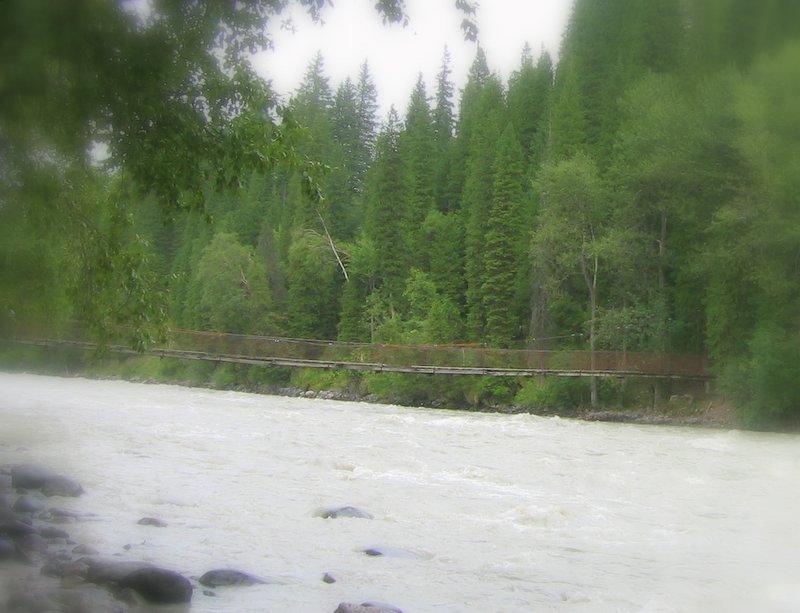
{"type": "Point", "coordinates": [159, 585]}
{"type": "Point", "coordinates": [28, 504]}
{"type": "Point", "coordinates": [60, 485]}
{"type": "Point", "coordinates": [34, 477]}
{"type": "Point", "coordinates": [228, 576]}
{"type": "Point", "coordinates": [30, 476]}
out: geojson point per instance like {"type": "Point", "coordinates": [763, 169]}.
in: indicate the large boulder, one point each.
{"type": "Point", "coordinates": [228, 576]}
{"type": "Point", "coordinates": [8, 550]}
{"type": "Point", "coordinates": [60, 485]}
{"type": "Point", "coordinates": [28, 504]}
{"type": "Point", "coordinates": [159, 585]}
{"type": "Point", "coordinates": [30, 476]}
{"type": "Point", "coordinates": [154, 584]}
{"type": "Point", "coordinates": [13, 526]}
{"type": "Point", "coordinates": [34, 477]}
{"type": "Point", "coordinates": [102, 571]}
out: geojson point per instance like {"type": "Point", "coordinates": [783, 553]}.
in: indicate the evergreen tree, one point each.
{"type": "Point", "coordinates": [443, 125]}
{"type": "Point", "coordinates": [417, 148]}
{"type": "Point", "coordinates": [468, 116]}
{"type": "Point", "coordinates": [503, 287]}
{"type": "Point", "coordinates": [387, 214]}
{"type": "Point", "coordinates": [567, 132]}
{"type": "Point", "coordinates": [312, 106]}
{"type": "Point", "coordinates": [528, 94]}
{"type": "Point", "coordinates": [440, 253]}
{"type": "Point", "coordinates": [477, 198]}
{"type": "Point", "coordinates": [367, 123]}
{"type": "Point", "coordinates": [354, 324]}
{"type": "Point", "coordinates": [344, 195]}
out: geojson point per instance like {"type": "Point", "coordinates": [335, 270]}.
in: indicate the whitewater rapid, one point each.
{"type": "Point", "coordinates": [498, 513]}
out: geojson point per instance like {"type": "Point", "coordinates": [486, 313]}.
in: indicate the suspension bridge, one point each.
{"type": "Point", "coordinates": [460, 359]}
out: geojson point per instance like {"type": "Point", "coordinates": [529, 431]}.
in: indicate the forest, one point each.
{"type": "Point", "coordinates": [642, 193]}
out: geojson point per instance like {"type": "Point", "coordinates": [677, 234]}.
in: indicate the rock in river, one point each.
{"type": "Point", "coordinates": [228, 576]}
{"type": "Point", "coordinates": [346, 511]}
{"type": "Point", "coordinates": [152, 521]}
{"type": "Point", "coordinates": [159, 585]}
{"type": "Point", "coordinates": [154, 584]}
{"type": "Point", "coordinates": [366, 607]}
{"type": "Point", "coordinates": [33, 477]}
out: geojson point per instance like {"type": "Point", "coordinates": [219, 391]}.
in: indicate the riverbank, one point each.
{"type": "Point", "coordinates": [686, 404]}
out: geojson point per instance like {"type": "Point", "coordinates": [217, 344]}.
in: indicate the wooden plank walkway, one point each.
{"type": "Point", "coordinates": [698, 374]}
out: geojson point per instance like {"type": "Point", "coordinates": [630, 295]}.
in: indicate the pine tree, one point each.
{"type": "Point", "coordinates": [443, 125]}
{"type": "Point", "coordinates": [440, 252]}
{"type": "Point", "coordinates": [468, 116]}
{"type": "Point", "coordinates": [312, 105]}
{"type": "Point", "coordinates": [477, 198]}
{"type": "Point", "coordinates": [417, 148]}
{"type": "Point", "coordinates": [367, 124]}
{"type": "Point", "coordinates": [504, 300]}
{"type": "Point", "coordinates": [344, 195]}
{"type": "Point", "coordinates": [386, 215]}
{"type": "Point", "coordinates": [528, 98]}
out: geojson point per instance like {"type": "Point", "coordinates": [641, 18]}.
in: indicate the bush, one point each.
{"type": "Point", "coordinates": [320, 379]}
{"type": "Point", "coordinates": [552, 393]}
{"type": "Point", "coordinates": [496, 391]}
{"type": "Point", "coordinates": [268, 376]}
{"type": "Point", "coordinates": [225, 377]}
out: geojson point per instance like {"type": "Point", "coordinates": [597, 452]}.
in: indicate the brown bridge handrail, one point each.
{"type": "Point", "coordinates": [457, 359]}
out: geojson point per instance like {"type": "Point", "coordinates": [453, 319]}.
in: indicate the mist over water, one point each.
{"type": "Point", "coordinates": [501, 513]}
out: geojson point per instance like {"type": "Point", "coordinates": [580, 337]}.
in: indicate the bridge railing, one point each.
{"type": "Point", "coordinates": [464, 358]}
{"type": "Point", "coordinates": [444, 356]}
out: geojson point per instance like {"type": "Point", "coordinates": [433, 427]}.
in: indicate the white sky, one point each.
{"type": "Point", "coordinates": [353, 32]}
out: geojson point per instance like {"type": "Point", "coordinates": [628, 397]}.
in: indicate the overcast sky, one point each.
{"type": "Point", "coordinates": [353, 32]}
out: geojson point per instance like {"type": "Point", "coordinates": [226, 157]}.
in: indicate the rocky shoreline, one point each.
{"type": "Point", "coordinates": [42, 570]}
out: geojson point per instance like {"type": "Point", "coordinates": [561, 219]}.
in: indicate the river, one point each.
{"type": "Point", "coordinates": [498, 513]}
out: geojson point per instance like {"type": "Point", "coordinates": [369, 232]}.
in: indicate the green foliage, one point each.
{"type": "Point", "coordinates": [323, 380]}
{"type": "Point", "coordinates": [528, 102]}
{"type": "Point", "coordinates": [766, 384]}
{"type": "Point", "coordinates": [225, 376]}
{"type": "Point", "coordinates": [495, 391]}
{"type": "Point", "coordinates": [229, 287]}
{"type": "Point", "coordinates": [440, 253]}
{"type": "Point", "coordinates": [443, 325]}
{"type": "Point", "coordinates": [313, 279]}
{"type": "Point", "coordinates": [552, 393]}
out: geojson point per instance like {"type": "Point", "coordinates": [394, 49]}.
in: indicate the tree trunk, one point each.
{"type": "Point", "coordinates": [658, 391]}
{"type": "Point", "coordinates": [590, 277]}
{"type": "Point", "coordinates": [593, 380]}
